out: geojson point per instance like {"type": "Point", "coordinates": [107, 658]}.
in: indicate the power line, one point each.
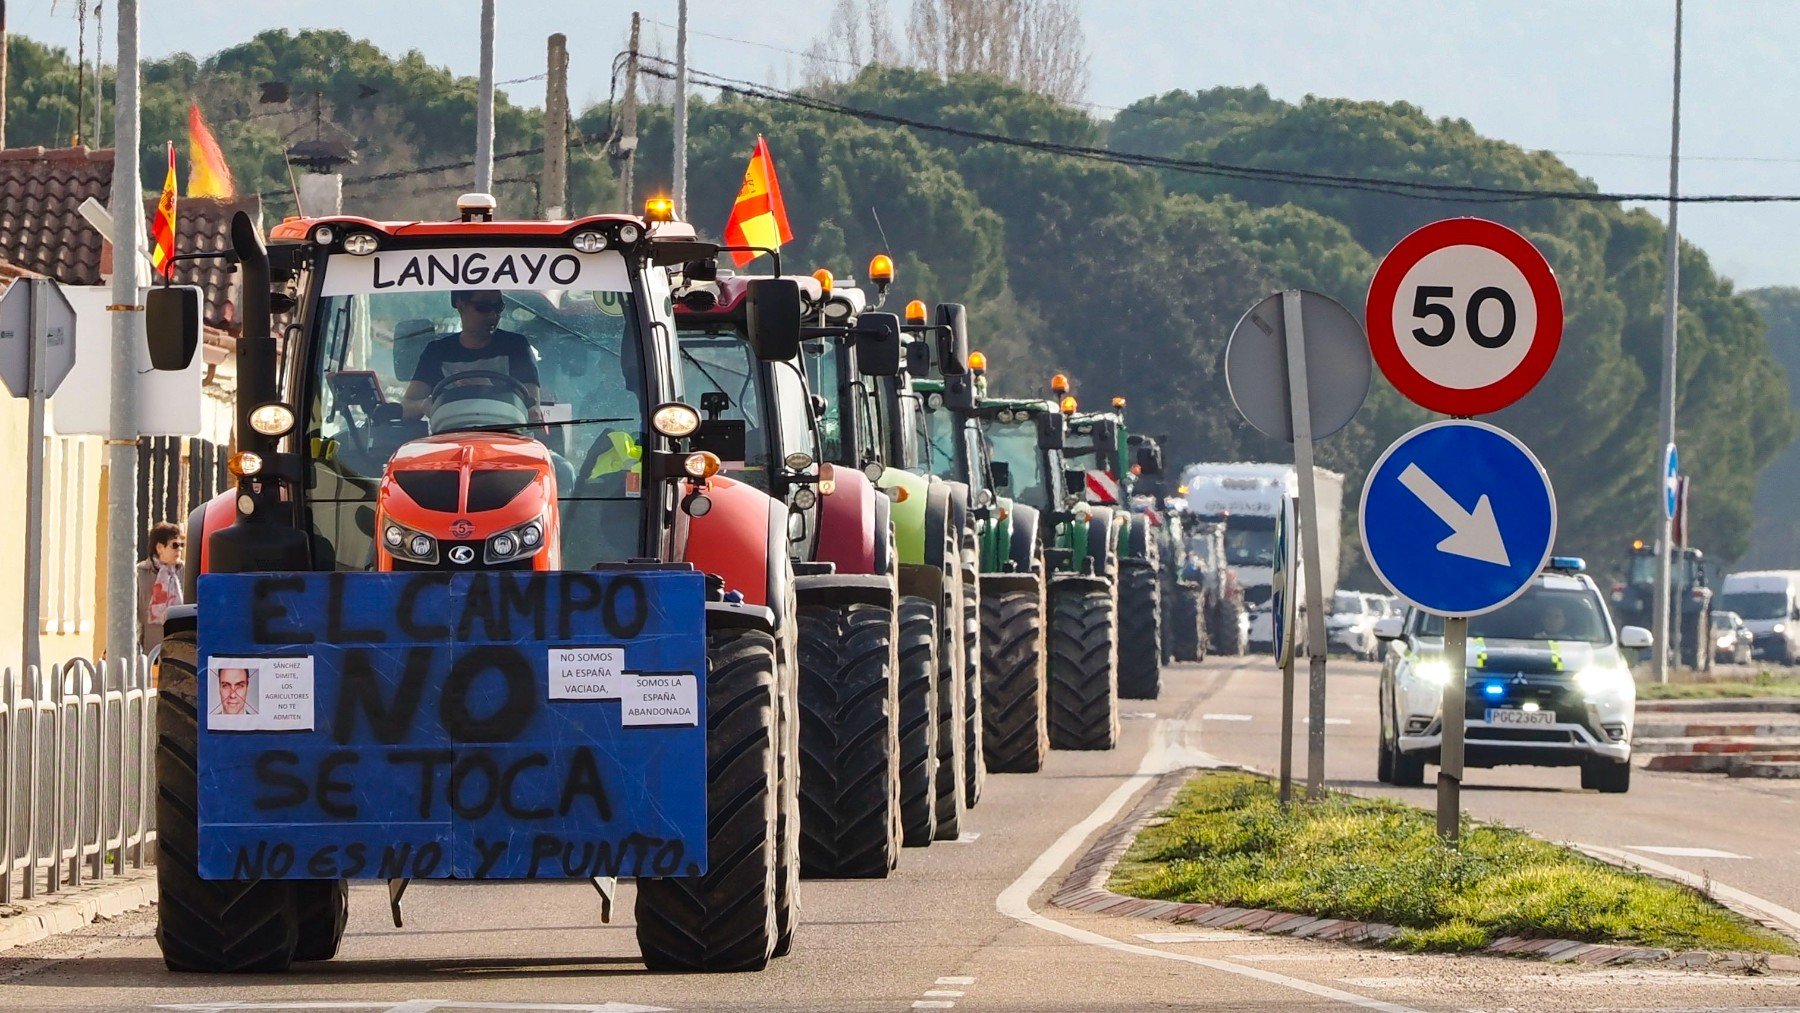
{"type": "Point", "coordinates": [1416, 189]}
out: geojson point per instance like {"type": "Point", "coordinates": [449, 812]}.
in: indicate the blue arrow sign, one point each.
{"type": "Point", "coordinates": [1458, 517]}
{"type": "Point", "coordinates": [1671, 480]}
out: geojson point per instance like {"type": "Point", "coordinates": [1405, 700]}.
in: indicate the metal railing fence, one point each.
{"type": "Point", "coordinates": [77, 773]}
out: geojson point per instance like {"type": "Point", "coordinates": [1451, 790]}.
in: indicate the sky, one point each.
{"type": "Point", "coordinates": [1587, 79]}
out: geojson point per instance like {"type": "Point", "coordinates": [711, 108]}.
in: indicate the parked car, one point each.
{"type": "Point", "coordinates": [1733, 643]}
{"type": "Point", "coordinates": [1351, 625]}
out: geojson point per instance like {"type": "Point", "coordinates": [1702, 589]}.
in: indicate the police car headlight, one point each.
{"type": "Point", "coordinates": [1435, 671]}
{"type": "Point", "coordinates": [1602, 680]}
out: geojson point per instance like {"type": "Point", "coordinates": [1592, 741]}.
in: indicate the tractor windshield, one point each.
{"type": "Point", "coordinates": [943, 430]}
{"type": "Point", "coordinates": [1015, 444]}
{"type": "Point", "coordinates": [720, 377]}
{"type": "Point", "coordinates": [410, 344]}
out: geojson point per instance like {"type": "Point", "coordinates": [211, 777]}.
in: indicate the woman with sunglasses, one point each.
{"type": "Point", "coordinates": [480, 346]}
{"type": "Point", "coordinates": [159, 583]}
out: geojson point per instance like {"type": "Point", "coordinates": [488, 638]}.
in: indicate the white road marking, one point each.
{"type": "Point", "coordinates": [1673, 852]}
{"type": "Point", "coordinates": [956, 979]}
{"type": "Point", "coordinates": [942, 993]}
{"type": "Point", "coordinates": [1274, 958]}
{"type": "Point", "coordinates": [1227, 717]}
{"type": "Point", "coordinates": [1383, 982]}
{"type": "Point", "coordinates": [933, 1004]}
{"type": "Point", "coordinates": [1163, 756]}
{"type": "Point", "coordinates": [1137, 715]}
{"type": "Point", "coordinates": [1202, 937]}
{"type": "Point", "coordinates": [1306, 719]}
{"type": "Point", "coordinates": [966, 837]}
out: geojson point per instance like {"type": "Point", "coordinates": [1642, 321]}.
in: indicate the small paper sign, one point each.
{"type": "Point", "coordinates": [661, 698]}
{"type": "Point", "coordinates": [587, 673]}
{"type": "Point", "coordinates": [260, 694]}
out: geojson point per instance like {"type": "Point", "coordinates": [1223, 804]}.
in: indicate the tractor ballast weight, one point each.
{"type": "Point", "coordinates": [636, 557]}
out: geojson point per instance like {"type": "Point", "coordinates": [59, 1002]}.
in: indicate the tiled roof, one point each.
{"type": "Point", "coordinates": [201, 224]}
{"type": "Point", "coordinates": [40, 228]}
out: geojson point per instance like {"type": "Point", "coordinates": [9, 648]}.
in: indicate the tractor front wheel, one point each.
{"type": "Point", "coordinates": [725, 920]}
{"type": "Point", "coordinates": [1012, 668]}
{"type": "Point", "coordinates": [1083, 671]}
{"type": "Point", "coordinates": [917, 672]}
{"type": "Point", "coordinates": [1140, 632]}
{"type": "Point", "coordinates": [846, 741]}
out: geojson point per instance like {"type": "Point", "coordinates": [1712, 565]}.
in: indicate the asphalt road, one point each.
{"type": "Point", "coordinates": [960, 926]}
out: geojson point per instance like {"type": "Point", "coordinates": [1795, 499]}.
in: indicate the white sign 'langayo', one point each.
{"type": "Point", "coordinates": [447, 270]}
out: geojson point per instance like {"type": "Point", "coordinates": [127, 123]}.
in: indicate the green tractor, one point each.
{"type": "Point", "coordinates": [872, 423]}
{"type": "Point", "coordinates": [1022, 440]}
{"type": "Point", "coordinates": [1015, 729]}
{"type": "Point", "coordinates": [1104, 457]}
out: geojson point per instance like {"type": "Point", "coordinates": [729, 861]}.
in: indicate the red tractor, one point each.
{"type": "Point", "coordinates": [503, 618]}
{"type": "Point", "coordinates": [763, 421]}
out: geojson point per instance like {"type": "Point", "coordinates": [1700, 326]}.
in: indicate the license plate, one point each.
{"type": "Point", "coordinates": [1514, 716]}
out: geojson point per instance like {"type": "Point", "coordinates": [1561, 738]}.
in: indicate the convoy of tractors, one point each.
{"type": "Point", "coordinates": [531, 468]}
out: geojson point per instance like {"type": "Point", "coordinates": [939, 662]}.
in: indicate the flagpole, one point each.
{"type": "Point", "coordinates": [127, 335]}
{"type": "Point", "coordinates": [484, 105]}
{"type": "Point", "coordinates": [681, 111]}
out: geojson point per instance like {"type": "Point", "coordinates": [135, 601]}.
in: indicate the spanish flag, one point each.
{"type": "Point", "coordinates": [162, 224]}
{"type": "Point", "coordinates": [208, 175]}
{"type": "Point", "coordinates": [759, 218]}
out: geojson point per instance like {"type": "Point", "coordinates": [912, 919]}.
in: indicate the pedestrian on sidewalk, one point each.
{"type": "Point", "coordinates": [158, 583]}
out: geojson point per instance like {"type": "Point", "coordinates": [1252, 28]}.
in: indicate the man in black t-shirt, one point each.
{"type": "Point", "coordinates": [480, 346]}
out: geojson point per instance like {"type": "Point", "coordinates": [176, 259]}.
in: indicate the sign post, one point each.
{"type": "Point", "coordinates": [1298, 369]}
{"type": "Point", "coordinates": [1465, 316]}
{"type": "Point", "coordinates": [1663, 629]}
{"type": "Point", "coordinates": [1281, 604]}
{"type": "Point", "coordinates": [37, 347]}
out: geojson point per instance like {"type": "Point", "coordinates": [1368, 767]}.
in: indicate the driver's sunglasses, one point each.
{"type": "Point", "coordinates": [177, 544]}
{"type": "Point", "coordinates": [487, 305]}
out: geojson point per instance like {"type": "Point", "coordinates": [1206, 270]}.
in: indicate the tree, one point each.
{"type": "Point", "coordinates": [858, 34]}
{"type": "Point", "coordinates": [1036, 44]}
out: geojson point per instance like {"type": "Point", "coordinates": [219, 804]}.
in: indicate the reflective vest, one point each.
{"type": "Point", "coordinates": [625, 455]}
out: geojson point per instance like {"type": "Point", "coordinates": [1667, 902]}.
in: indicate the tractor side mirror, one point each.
{"type": "Point", "coordinates": [172, 325]}
{"type": "Point", "coordinates": [772, 313]}
{"type": "Point", "coordinates": [1075, 480]}
{"type": "Point", "coordinates": [1000, 474]}
{"type": "Point", "coordinates": [953, 338]}
{"type": "Point", "coordinates": [1106, 442]}
{"type": "Point", "coordinates": [1052, 430]}
{"type": "Point", "coordinates": [918, 357]}
{"type": "Point", "coordinates": [1149, 459]}
{"type": "Point", "coordinates": [877, 344]}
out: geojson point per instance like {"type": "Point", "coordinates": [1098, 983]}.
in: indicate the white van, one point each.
{"type": "Point", "coordinates": [1769, 602]}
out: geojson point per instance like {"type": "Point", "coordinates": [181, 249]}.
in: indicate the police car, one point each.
{"type": "Point", "coordinates": [1546, 685]}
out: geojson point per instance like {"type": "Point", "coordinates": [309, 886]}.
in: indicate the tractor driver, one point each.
{"type": "Point", "coordinates": [481, 345]}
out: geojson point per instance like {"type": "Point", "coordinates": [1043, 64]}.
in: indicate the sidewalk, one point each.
{"type": "Point", "coordinates": [28, 921]}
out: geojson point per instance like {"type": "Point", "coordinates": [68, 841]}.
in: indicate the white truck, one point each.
{"type": "Point", "coordinates": [1769, 603]}
{"type": "Point", "coordinates": [1247, 498]}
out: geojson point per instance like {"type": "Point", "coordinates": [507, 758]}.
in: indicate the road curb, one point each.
{"type": "Point", "coordinates": [1084, 889]}
{"type": "Point", "coordinates": [67, 912]}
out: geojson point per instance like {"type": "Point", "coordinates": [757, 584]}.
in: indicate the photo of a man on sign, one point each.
{"type": "Point", "coordinates": [235, 691]}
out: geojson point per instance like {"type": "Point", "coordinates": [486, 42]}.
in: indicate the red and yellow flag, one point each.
{"type": "Point", "coordinates": [759, 218]}
{"type": "Point", "coordinates": [162, 224]}
{"type": "Point", "coordinates": [208, 175]}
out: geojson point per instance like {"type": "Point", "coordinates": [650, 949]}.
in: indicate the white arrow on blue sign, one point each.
{"type": "Point", "coordinates": [1671, 481]}
{"type": "Point", "coordinates": [1458, 517]}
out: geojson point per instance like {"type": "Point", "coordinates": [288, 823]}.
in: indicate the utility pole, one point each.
{"type": "Point", "coordinates": [681, 112]}
{"type": "Point", "coordinates": [625, 148]}
{"type": "Point", "coordinates": [99, 79]}
{"type": "Point", "coordinates": [484, 105]}
{"type": "Point", "coordinates": [1671, 307]}
{"type": "Point", "coordinates": [127, 335]}
{"type": "Point", "coordinates": [556, 130]}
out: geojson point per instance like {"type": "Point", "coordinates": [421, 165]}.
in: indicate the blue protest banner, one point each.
{"type": "Point", "coordinates": [505, 725]}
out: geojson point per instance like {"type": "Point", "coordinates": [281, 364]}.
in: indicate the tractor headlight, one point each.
{"type": "Point", "coordinates": [323, 235]}
{"type": "Point", "coordinates": [405, 543]}
{"type": "Point", "coordinates": [393, 536]}
{"type": "Point", "coordinates": [588, 242]}
{"type": "Point", "coordinates": [675, 420]}
{"type": "Point", "coordinates": [1004, 415]}
{"type": "Point", "coordinates": [629, 233]}
{"type": "Point", "coordinates": [517, 543]}
{"type": "Point", "coordinates": [360, 244]}
{"type": "Point", "coordinates": [272, 419]}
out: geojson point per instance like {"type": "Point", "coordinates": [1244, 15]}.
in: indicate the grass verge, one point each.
{"type": "Point", "coordinates": [1762, 684]}
{"type": "Point", "coordinates": [1229, 842]}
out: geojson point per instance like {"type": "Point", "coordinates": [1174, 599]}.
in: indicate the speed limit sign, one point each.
{"type": "Point", "coordinates": [1464, 316]}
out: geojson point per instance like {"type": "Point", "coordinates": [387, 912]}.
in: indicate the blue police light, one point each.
{"type": "Point", "coordinates": [1493, 690]}
{"type": "Point", "coordinates": [1568, 564]}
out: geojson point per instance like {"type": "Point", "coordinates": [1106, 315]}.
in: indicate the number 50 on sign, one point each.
{"type": "Point", "coordinates": [1464, 316]}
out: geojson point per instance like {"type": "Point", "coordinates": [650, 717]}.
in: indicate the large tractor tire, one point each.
{"type": "Point", "coordinates": [1016, 736]}
{"type": "Point", "coordinates": [787, 812]}
{"type": "Point", "coordinates": [974, 767]}
{"type": "Point", "coordinates": [726, 919]}
{"type": "Point", "coordinates": [321, 910]}
{"type": "Point", "coordinates": [1184, 631]}
{"type": "Point", "coordinates": [208, 925]}
{"type": "Point", "coordinates": [1229, 637]}
{"type": "Point", "coordinates": [917, 672]}
{"type": "Point", "coordinates": [847, 752]}
{"type": "Point", "coordinates": [952, 687]}
{"type": "Point", "coordinates": [1083, 668]}
{"type": "Point", "coordinates": [1140, 632]}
